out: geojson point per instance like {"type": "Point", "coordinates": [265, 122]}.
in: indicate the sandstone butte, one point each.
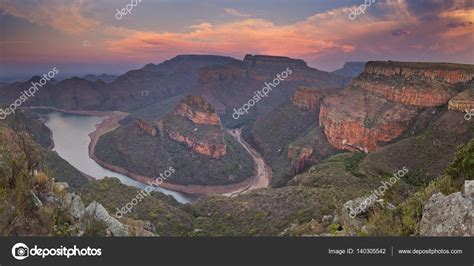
{"type": "Point", "coordinates": [380, 104]}
{"type": "Point", "coordinates": [202, 132]}
{"type": "Point", "coordinates": [464, 101]}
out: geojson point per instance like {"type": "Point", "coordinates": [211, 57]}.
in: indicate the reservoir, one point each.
{"type": "Point", "coordinates": [71, 142]}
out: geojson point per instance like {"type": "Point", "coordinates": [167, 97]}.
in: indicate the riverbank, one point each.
{"type": "Point", "coordinates": [261, 179]}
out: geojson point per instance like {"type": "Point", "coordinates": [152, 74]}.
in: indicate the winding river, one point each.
{"type": "Point", "coordinates": [71, 142]}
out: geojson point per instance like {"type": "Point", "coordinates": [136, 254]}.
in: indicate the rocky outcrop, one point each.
{"type": "Point", "coordinates": [272, 61]}
{"type": "Point", "coordinates": [196, 109]}
{"type": "Point", "coordinates": [418, 84]}
{"type": "Point", "coordinates": [357, 120]}
{"type": "Point", "coordinates": [195, 124]}
{"type": "Point", "coordinates": [440, 72]}
{"type": "Point", "coordinates": [147, 127]}
{"type": "Point", "coordinates": [350, 69]}
{"type": "Point", "coordinates": [463, 102]}
{"type": "Point", "coordinates": [307, 98]}
{"type": "Point", "coordinates": [99, 213]}
{"type": "Point", "coordinates": [300, 157]}
{"type": "Point", "coordinates": [231, 85]}
{"type": "Point", "coordinates": [451, 215]}
{"type": "Point", "coordinates": [215, 151]}
{"type": "Point", "coordinates": [73, 204]}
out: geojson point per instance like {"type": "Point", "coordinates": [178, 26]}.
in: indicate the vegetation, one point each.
{"type": "Point", "coordinates": [133, 149]}
{"type": "Point", "coordinates": [404, 220]}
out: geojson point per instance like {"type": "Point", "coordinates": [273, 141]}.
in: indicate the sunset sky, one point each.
{"type": "Point", "coordinates": [83, 36]}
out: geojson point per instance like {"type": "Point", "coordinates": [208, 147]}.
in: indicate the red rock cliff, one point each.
{"type": "Point", "coordinates": [195, 124]}
{"type": "Point", "coordinates": [307, 98]}
{"type": "Point", "coordinates": [355, 119]}
{"type": "Point", "coordinates": [147, 127]}
{"type": "Point", "coordinates": [196, 109]}
{"type": "Point", "coordinates": [464, 101]}
{"type": "Point", "coordinates": [441, 72]}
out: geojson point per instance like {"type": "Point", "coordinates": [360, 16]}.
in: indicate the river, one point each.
{"type": "Point", "coordinates": [71, 142]}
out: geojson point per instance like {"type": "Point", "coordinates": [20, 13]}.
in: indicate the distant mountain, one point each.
{"type": "Point", "coordinates": [232, 85]}
{"type": "Point", "coordinates": [350, 69]}
{"type": "Point", "coordinates": [132, 90]}
{"type": "Point", "coordinates": [104, 77]}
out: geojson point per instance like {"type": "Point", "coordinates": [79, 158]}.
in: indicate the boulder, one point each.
{"type": "Point", "coordinates": [451, 215]}
{"type": "Point", "coordinates": [98, 212]}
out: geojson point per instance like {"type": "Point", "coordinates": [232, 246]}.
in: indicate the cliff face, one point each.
{"type": "Point", "coordinates": [441, 72]}
{"type": "Point", "coordinates": [195, 124]}
{"type": "Point", "coordinates": [358, 120]}
{"type": "Point", "coordinates": [382, 102]}
{"type": "Point", "coordinates": [307, 98]}
{"type": "Point", "coordinates": [418, 84]}
{"type": "Point", "coordinates": [214, 150]}
{"type": "Point", "coordinates": [197, 110]}
{"type": "Point", "coordinates": [231, 85]}
{"type": "Point", "coordinates": [463, 101]}
{"type": "Point", "coordinates": [300, 157]}
{"type": "Point", "coordinates": [147, 127]}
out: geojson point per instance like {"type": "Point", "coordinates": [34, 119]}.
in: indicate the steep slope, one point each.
{"type": "Point", "coordinates": [383, 102]}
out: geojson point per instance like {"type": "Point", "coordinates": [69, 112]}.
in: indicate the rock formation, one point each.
{"type": "Point", "coordinates": [196, 109]}
{"type": "Point", "coordinates": [451, 215]}
{"type": "Point", "coordinates": [99, 213]}
{"type": "Point", "coordinates": [463, 102]}
{"type": "Point", "coordinates": [358, 120]}
{"type": "Point", "coordinates": [194, 123]}
{"type": "Point", "coordinates": [307, 98]}
{"type": "Point", "coordinates": [440, 72]}
{"type": "Point", "coordinates": [382, 102]}
{"type": "Point", "coordinates": [147, 127]}
{"type": "Point", "coordinates": [230, 85]}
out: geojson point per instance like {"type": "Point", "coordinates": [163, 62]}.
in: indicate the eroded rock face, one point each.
{"type": "Point", "coordinates": [307, 98]}
{"type": "Point", "coordinates": [195, 123]}
{"type": "Point", "coordinates": [73, 204]}
{"type": "Point", "coordinates": [203, 147]}
{"type": "Point", "coordinates": [231, 85]}
{"type": "Point", "coordinates": [441, 72]}
{"type": "Point", "coordinates": [98, 212]}
{"type": "Point", "coordinates": [300, 157]}
{"type": "Point", "coordinates": [196, 109]}
{"type": "Point", "coordinates": [147, 127]}
{"type": "Point", "coordinates": [357, 120]}
{"type": "Point", "coordinates": [416, 93]}
{"type": "Point", "coordinates": [463, 101]}
{"type": "Point", "coordinates": [418, 84]}
{"type": "Point", "coordinates": [451, 215]}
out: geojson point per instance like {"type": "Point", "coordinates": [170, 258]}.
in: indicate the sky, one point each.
{"type": "Point", "coordinates": [85, 36]}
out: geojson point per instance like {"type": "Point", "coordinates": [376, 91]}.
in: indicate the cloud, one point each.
{"type": "Point", "coordinates": [235, 12]}
{"type": "Point", "coordinates": [459, 24]}
{"type": "Point", "coordinates": [64, 16]}
{"type": "Point", "coordinates": [400, 32]}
